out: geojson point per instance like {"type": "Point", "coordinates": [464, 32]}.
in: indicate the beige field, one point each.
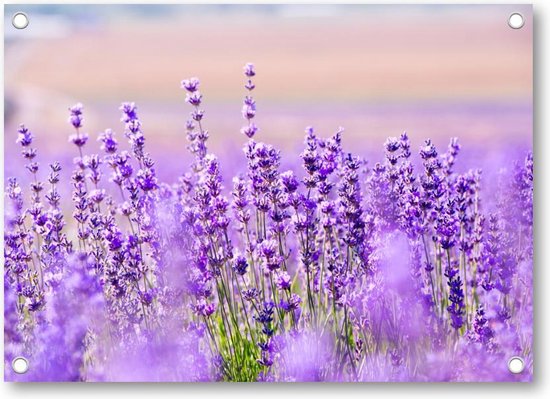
{"type": "Point", "coordinates": [438, 75]}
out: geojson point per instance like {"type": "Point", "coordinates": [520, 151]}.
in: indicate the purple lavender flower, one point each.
{"type": "Point", "coordinates": [240, 265]}
{"type": "Point", "coordinates": [25, 136]}
{"type": "Point", "coordinates": [483, 332]}
{"type": "Point", "coordinates": [249, 70]}
{"type": "Point", "coordinates": [249, 105]}
{"type": "Point", "coordinates": [194, 98]}
{"type": "Point", "coordinates": [129, 112]}
{"type": "Point", "coordinates": [75, 117]}
{"type": "Point", "coordinates": [191, 85]}
{"type": "Point", "coordinates": [270, 255]}
{"type": "Point", "coordinates": [292, 304]}
{"type": "Point", "coordinates": [108, 142]}
{"type": "Point", "coordinates": [456, 298]}
{"type": "Point", "coordinates": [284, 281]}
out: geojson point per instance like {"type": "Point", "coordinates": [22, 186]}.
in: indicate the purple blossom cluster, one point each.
{"type": "Point", "coordinates": [334, 270]}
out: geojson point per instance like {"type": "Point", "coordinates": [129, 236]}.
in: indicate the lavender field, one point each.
{"type": "Point", "coordinates": [229, 229]}
{"type": "Point", "coordinates": [270, 266]}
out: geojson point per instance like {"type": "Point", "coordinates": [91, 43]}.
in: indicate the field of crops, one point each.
{"type": "Point", "coordinates": [331, 268]}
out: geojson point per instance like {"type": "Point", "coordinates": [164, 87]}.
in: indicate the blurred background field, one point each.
{"type": "Point", "coordinates": [434, 71]}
